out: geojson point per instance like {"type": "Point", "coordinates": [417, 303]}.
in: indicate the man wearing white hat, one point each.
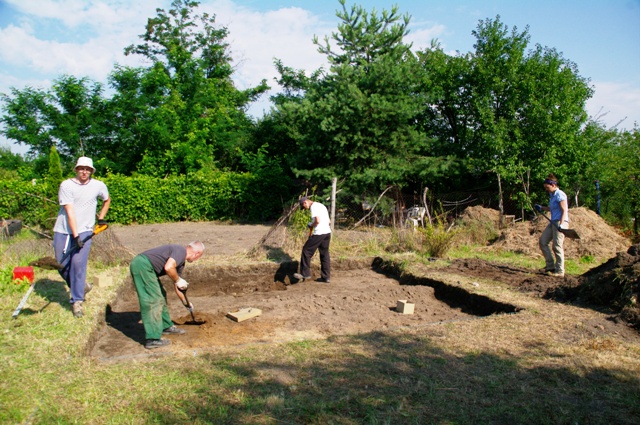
{"type": "Point", "coordinates": [78, 199]}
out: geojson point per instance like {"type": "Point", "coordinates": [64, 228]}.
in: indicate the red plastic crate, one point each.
{"type": "Point", "coordinates": [20, 273]}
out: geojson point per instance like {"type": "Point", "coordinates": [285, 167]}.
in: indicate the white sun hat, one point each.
{"type": "Point", "coordinates": [83, 161]}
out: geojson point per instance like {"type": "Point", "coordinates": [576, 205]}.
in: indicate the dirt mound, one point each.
{"type": "Point", "coordinates": [614, 285]}
{"type": "Point", "coordinates": [481, 214]}
{"type": "Point", "coordinates": [597, 238]}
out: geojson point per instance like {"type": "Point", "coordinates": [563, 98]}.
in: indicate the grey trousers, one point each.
{"type": "Point", "coordinates": [553, 261]}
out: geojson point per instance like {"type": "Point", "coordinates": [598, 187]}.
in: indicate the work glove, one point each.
{"type": "Point", "coordinates": [562, 225]}
{"type": "Point", "coordinates": [189, 306]}
{"type": "Point", "coordinates": [538, 207]}
{"type": "Point", "coordinates": [79, 242]}
{"type": "Point", "coordinates": [102, 222]}
{"type": "Point", "coordinates": [182, 284]}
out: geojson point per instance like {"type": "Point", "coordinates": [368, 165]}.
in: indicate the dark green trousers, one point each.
{"type": "Point", "coordinates": [152, 297]}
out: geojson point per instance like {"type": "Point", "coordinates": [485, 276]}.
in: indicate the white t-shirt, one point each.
{"type": "Point", "coordinates": [84, 198]}
{"type": "Point", "coordinates": [324, 222]}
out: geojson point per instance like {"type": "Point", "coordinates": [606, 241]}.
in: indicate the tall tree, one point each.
{"type": "Point", "coordinates": [529, 106]}
{"type": "Point", "coordinates": [25, 119]}
{"type": "Point", "coordinates": [357, 120]}
{"type": "Point", "coordinates": [201, 118]}
{"type": "Point", "coordinates": [54, 176]}
{"type": "Point", "coordinates": [69, 116]}
{"type": "Point", "coordinates": [510, 111]}
{"type": "Point", "coordinates": [619, 175]}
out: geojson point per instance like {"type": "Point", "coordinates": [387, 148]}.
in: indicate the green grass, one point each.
{"type": "Point", "coordinates": [572, 267]}
{"type": "Point", "coordinates": [434, 375]}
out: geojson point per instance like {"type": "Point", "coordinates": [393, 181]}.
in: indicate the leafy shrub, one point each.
{"type": "Point", "coordinates": [27, 201]}
{"type": "Point", "coordinates": [436, 239]}
{"type": "Point", "coordinates": [202, 196]}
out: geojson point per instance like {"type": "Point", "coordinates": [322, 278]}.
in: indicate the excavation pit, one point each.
{"type": "Point", "coordinates": [361, 298]}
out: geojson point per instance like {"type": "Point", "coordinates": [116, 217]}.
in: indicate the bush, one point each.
{"type": "Point", "coordinates": [436, 239]}
{"type": "Point", "coordinates": [28, 202]}
{"type": "Point", "coordinates": [202, 196]}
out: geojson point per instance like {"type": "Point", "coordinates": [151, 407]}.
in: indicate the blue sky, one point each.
{"type": "Point", "coordinates": [41, 40]}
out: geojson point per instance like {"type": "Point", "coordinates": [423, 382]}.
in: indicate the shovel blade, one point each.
{"type": "Point", "coordinates": [47, 263]}
{"type": "Point", "coordinates": [570, 233]}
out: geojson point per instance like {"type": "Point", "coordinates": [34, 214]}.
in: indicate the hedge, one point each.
{"type": "Point", "coordinates": [216, 195]}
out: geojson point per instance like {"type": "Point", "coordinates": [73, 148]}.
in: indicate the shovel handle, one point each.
{"type": "Point", "coordinates": [572, 234]}
{"type": "Point", "coordinates": [184, 292]}
{"type": "Point", "coordinates": [23, 301]}
{"type": "Point", "coordinates": [98, 228]}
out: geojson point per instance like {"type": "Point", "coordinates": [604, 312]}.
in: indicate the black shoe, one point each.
{"type": "Point", "coordinates": [173, 330]}
{"type": "Point", "coordinates": [87, 288]}
{"type": "Point", "coordinates": [300, 277]}
{"type": "Point", "coordinates": [155, 343]}
{"type": "Point", "coordinates": [323, 280]}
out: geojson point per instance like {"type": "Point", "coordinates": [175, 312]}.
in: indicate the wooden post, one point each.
{"type": "Point", "coordinates": [500, 204]}
{"type": "Point", "coordinates": [334, 183]}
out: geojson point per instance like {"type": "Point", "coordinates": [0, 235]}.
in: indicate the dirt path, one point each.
{"type": "Point", "coordinates": [219, 239]}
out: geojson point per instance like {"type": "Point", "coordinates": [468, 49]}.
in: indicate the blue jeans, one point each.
{"type": "Point", "coordinates": [74, 265]}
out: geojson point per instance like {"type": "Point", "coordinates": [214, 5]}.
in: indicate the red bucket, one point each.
{"type": "Point", "coordinates": [20, 273]}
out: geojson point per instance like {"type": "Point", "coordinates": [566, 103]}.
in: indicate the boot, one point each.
{"type": "Point", "coordinates": [77, 309]}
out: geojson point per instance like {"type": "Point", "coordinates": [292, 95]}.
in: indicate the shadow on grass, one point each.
{"type": "Point", "coordinates": [127, 322]}
{"type": "Point", "coordinates": [54, 292]}
{"type": "Point", "coordinates": [400, 379]}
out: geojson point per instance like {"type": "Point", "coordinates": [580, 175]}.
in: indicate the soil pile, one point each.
{"type": "Point", "coordinates": [614, 285]}
{"type": "Point", "coordinates": [597, 238]}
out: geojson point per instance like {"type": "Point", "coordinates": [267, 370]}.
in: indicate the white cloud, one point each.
{"type": "Point", "coordinates": [421, 38]}
{"type": "Point", "coordinates": [257, 38]}
{"type": "Point", "coordinates": [102, 15]}
{"type": "Point", "coordinates": [94, 34]}
{"type": "Point", "coordinates": [108, 29]}
{"type": "Point", "coordinates": [615, 103]}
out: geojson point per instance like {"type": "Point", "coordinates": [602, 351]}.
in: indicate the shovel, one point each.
{"type": "Point", "coordinates": [570, 233]}
{"type": "Point", "coordinates": [23, 301]}
{"type": "Point", "coordinates": [193, 317]}
{"type": "Point", "coordinates": [50, 263]}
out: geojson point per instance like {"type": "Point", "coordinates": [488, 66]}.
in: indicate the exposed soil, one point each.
{"type": "Point", "coordinates": [362, 296]}
{"type": "Point", "coordinates": [358, 301]}
{"type": "Point", "coordinates": [219, 239]}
